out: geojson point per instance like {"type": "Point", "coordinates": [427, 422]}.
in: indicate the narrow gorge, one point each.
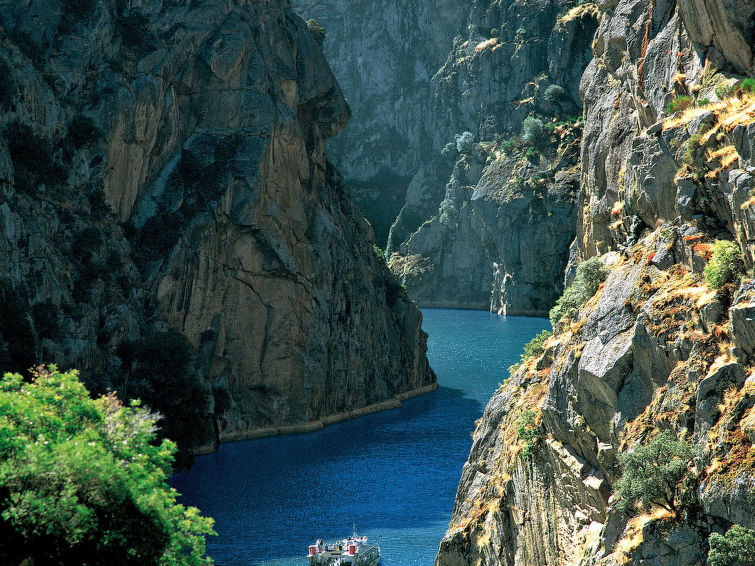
{"type": "Point", "coordinates": [234, 211]}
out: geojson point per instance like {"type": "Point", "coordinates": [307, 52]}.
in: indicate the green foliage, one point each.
{"type": "Point", "coordinates": [703, 102]}
{"type": "Point", "coordinates": [679, 103]}
{"type": "Point", "coordinates": [317, 31]}
{"type": "Point", "coordinates": [163, 380]}
{"type": "Point", "coordinates": [690, 150]}
{"type": "Point", "coordinates": [590, 274]}
{"type": "Point", "coordinates": [725, 264]}
{"type": "Point", "coordinates": [379, 251]}
{"type": "Point", "coordinates": [748, 85]}
{"type": "Point", "coordinates": [651, 473]}
{"type": "Point", "coordinates": [449, 149]}
{"type": "Point", "coordinates": [465, 142]}
{"type": "Point", "coordinates": [735, 548]}
{"type": "Point", "coordinates": [532, 130]}
{"type": "Point", "coordinates": [531, 153]}
{"type": "Point", "coordinates": [726, 90]}
{"type": "Point", "coordinates": [532, 349]}
{"type": "Point", "coordinates": [83, 481]}
{"type": "Point", "coordinates": [555, 94]}
{"type": "Point", "coordinates": [32, 159]}
{"type": "Point", "coordinates": [528, 432]}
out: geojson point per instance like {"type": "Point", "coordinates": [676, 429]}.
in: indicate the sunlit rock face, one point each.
{"type": "Point", "coordinates": [190, 209]}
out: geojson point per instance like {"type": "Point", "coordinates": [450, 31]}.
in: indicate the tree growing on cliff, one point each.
{"type": "Point", "coordinates": [735, 548]}
{"type": "Point", "coordinates": [651, 473]}
{"type": "Point", "coordinates": [590, 274]}
{"type": "Point", "coordinates": [83, 481]}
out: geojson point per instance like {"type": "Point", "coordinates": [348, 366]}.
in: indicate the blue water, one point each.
{"type": "Point", "coordinates": [394, 474]}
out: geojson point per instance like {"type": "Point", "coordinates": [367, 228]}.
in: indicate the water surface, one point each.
{"type": "Point", "coordinates": [394, 474]}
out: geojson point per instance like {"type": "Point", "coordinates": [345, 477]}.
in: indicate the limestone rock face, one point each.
{"type": "Point", "coordinates": [188, 240]}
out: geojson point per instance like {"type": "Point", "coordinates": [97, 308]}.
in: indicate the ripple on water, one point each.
{"type": "Point", "coordinates": [392, 473]}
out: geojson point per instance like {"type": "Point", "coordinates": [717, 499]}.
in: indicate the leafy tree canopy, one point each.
{"type": "Point", "coordinates": [735, 548]}
{"type": "Point", "coordinates": [651, 473]}
{"type": "Point", "coordinates": [83, 481]}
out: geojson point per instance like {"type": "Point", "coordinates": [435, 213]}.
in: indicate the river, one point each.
{"type": "Point", "coordinates": [393, 474]}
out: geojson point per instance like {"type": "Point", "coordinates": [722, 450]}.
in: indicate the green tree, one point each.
{"type": "Point", "coordinates": [590, 274]}
{"type": "Point", "coordinates": [532, 131]}
{"type": "Point", "coordinates": [83, 481]}
{"type": "Point", "coordinates": [725, 264]}
{"type": "Point", "coordinates": [651, 473]}
{"type": "Point", "coordinates": [735, 548]}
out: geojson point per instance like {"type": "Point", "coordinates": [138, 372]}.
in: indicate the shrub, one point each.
{"type": "Point", "coordinates": [532, 130]}
{"type": "Point", "coordinates": [651, 473]}
{"type": "Point", "coordinates": [84, 480]}
{"type": "Point", "coordinates": [735, 548]}
{"type": "Point", "coordinates": [495, 32]}
{"type": "Point", "coordinates": [703, 102]}
{"type": "Point", "coordinates": [448, 149]}
{"type": "Point", "coordinates": [748, 85]}
{"type": "Point", "coordinates": [690, 150]}
{"type": "Point", "coordinates": [679, 103]}
{"type": "Point", "coordinates": [465, 142]}
{"type": "Point", "coordinates": [726, 90]}
{"type": "Point", "coordinates": [532, 349]}
{"type": "Point", "coordinates": [555, 94]}
{"type": "Point", "coordinates": [725, 264]}
{"type": "Point", "coordinates": [528, 432]}
{"type": "Point", "coordinates": [317, 31]}
{"type": "Point", "coordinates": [590, 274]}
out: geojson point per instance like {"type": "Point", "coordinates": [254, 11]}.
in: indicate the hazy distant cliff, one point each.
{"type": "Point", "coordinates": [667, 171]}
{"type": "Point", "coordinates": [172, 224]}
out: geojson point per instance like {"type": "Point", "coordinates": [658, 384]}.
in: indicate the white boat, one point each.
{"type": "Point", "coordinates": [352, 551]}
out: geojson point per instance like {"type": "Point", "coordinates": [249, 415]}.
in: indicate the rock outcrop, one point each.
{"type": "Point", "coordinates": [430, 74]}
{"type": "Point", "coordinates": [384, 54]}
{"type": "Point", "coordinates": [666, 175]}
{"type": "Point", "coordinates": [172, 224]}
{"type": "Point", "coordinates": [512, 61]}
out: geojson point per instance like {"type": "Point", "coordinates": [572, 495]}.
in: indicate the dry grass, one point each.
{"type": "Point", "coordinates": [632, 537]}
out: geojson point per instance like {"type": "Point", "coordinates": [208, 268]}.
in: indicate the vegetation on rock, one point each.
{"type": "Point", "coordinates": [590, 274]}
{"type": "Point", "coordinates": [651, 473]}
{"type": "Point", "coordinates": [83, 481]}
{"type": "Point", "coordinates": [317, 31]}
{"type": "Point", "coordinates": [532, 349]}
{"type": "Point", "coordinates": [735, 548]}
{"type": "Point", "coordinates": [725, 264]}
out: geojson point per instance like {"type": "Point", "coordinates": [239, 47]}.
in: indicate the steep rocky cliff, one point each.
{"type": "Point", "coordinates": [384, 54]}
{"type": "Point", "coordinates": [514, 61]}
{"type": "Point", "coordinates": [433, 72]}
{"type": "Point", "coordinates": [173, 227]}
{"type": "Point", "coordinates": [667, 173]}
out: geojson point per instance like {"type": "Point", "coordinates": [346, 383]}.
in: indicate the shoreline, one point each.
{"type": "Point", "coordinates": [319, 424]}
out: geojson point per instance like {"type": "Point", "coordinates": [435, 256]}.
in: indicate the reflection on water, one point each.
{"type": "Point", "coordinates": [394, 474]}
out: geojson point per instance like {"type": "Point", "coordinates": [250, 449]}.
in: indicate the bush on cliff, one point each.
{"type": "Point", "coordinates": [725, 264]}
{"type": "Point", "coordinates": [317, 31]}
{"type": "Point", "coordinates": [651, 473]}
{"type": "Point", "coordinates": [532, 131]}
{"type": "Point", "coordinates": [83, 481]}
{"type": "Point", "coordinates": [532, 349]}
{"type": "Point", "coordinates": [736, 547]}
{"type": "Point", "coordinates": [590, 274]}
